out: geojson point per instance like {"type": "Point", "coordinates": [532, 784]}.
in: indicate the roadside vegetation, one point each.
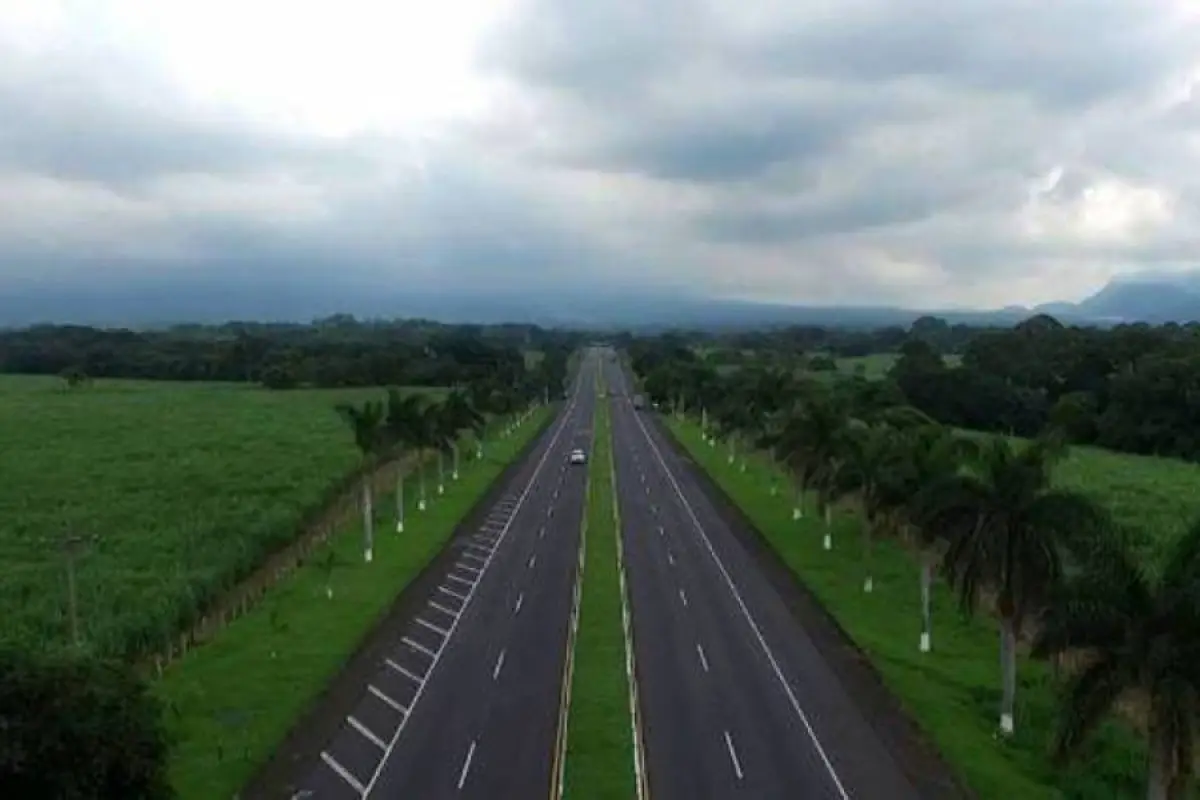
{"type": "Point", "coordinates": [599, 753]}
{"type": "Point", "coordinates": [1033, 606]}
{"type": "Point", "coordinates": [232, 702]}
{"type": "Point", "coordinates": [150, 523]}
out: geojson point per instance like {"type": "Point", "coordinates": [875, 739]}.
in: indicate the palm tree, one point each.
{"type": "Point", "coordinates": [402, 425]}
{"type": "Point", "coordinates": [924, 456]}
{"type": "Point", "coordinates": [464, 416]}
{"type": "Point", "coordinates": [424, 437]}
{"type": "Point", "coordinates": [870, 454]}
{"type": "Point", "coordinates": [817, 436]}
{"type": "Point", "coordinates": [367, 424]}
{"type": "Point", "coordinates": [1007, 527]}
{"type": "Point", "coordinates": [444, 429]}
{"type": "Point", "coordinates": [1139, 633]}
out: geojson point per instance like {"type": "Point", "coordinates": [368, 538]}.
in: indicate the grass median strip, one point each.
{"type": "Point", "coordinates": [951, 692]}
{"type": "Point", "coordinates": [600, 760]}
{"type": "Point", "coordinates": [232, 701]}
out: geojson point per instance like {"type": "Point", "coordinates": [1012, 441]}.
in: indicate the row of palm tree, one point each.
{"type": "Point", "coordinates": [408, 425]}
{"type": "Point", "coordinates": [985, 512]}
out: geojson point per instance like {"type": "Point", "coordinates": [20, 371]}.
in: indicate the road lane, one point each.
{"type": "Point", "coordinates": [769, 718]}
{"type": "Point", "coordinates": [465, 704]}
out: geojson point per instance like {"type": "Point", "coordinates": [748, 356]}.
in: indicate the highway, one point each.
{"type": "Point", "coordinates": [466, 703]}
{"type": "Point", "coordinates": [737, 702]}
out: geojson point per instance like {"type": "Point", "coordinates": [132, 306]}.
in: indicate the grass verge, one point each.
{"type": "Point", "coordinates": [952, 692]}
{"type": "Point", "coordinates": [232, 701]}
{"type": "Point", "coordinates": [599, 763]}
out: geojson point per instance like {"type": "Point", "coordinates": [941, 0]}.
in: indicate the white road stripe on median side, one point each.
{"type": "Point", "coordinates": [670, 558]}
{"type": "Point", "coordinates": [367, 733]}
{"type": "Point", "coordinates": [460, 579]}
{"type": "Point", "coordinates": [453, 593]}
{"type": "Point", "coordinates": [466, 767]}
{"type": "Point", "coordinates": [499, 664]}
{"type": "Point", "coordinates": [517, 607]}
{"type": "Point", "coordinates": [342, 772]}
{"type": "Point", "coordinates": [382, 695]}
{"type": "Point", "coordinates": [737, 766]}
{"type": "Point", "coordinates": [700, 652]}
{"type": "Point", "coordinates": [532, 560]}
{"type": "Point", "coordinates": [461, 565]}
{"type": "Point", "coordinates": [683, 596]}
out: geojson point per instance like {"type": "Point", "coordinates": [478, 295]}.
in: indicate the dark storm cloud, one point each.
{"type": "Point", "coordinates": [1067, 53]}
{"type": "Point", "coordinates": [61, 127]}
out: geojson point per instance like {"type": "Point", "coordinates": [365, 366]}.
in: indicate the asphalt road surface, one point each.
{"type": "Point", "coordinates": [737, 702]}
{"type": "Point", "coordinates": [466, 703]}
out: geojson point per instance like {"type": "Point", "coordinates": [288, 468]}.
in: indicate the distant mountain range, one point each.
{"type": "Point", "coordinates": [1155, 299]}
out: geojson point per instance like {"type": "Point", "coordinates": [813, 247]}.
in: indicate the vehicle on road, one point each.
{"type": "Point", "coordinates": [578, 456]}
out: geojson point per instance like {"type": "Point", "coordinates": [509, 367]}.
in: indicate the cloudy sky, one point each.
{"type": "Point", "coordinates": [922, 152]}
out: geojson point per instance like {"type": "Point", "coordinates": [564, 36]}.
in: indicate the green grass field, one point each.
{"type": "Point", "coordinates": [184, 486]}
{"type": "Point", "coordinates": [232, 701]}
{"type": "Point", "coordinates": [953, 692]}
{"type": "Point", "coordinates": [599, 761]}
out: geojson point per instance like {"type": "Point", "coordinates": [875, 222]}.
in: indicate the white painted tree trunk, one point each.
{"type": "Point", "coordinates": [421, 486]}
{"type": "Point", "coordinates": [828, 528]}
{"type": "Point", "coordinates": [368, 513]}
{"type": "Point", "coordinates": [1158, 778]}
{"type": "Point", "coordinates": [400, 500]}
{"type": "Point", "coordinates": [441, 483]}
{"type": "Point", "coordinates": [1008, 669]}
{"type": "Point", "coordinates": [869, 584]}
{"type": "Point", "coordinates": [926, 602]}
{"type": "Point", "coordinates": [454, 451]}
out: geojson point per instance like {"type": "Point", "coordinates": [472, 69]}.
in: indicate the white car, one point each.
{"type": "Point", "coordinates": [578, 456]}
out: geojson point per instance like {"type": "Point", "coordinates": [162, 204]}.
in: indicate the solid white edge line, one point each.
{"type": "Point", "coordinates": [812, 734]}
{"type": "Point", "coordinates": [454, 626]}
{"type": "Point", "coordinates": [466, 767]}
{"type": "Point", "coordinates": [342, 772]}
{"type": "Point", "coordinates": [366, 732]}
{"type": "Point", "coordinates": [737, 765]}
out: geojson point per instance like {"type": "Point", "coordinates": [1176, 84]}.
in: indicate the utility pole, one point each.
{"type": "Point", "coordinates": [73, 545]}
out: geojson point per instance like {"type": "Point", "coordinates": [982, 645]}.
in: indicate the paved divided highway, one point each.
{"type": "Point", "coordinates": [736, 700]}
{"type": "Point", "coordinates": [466, 704]}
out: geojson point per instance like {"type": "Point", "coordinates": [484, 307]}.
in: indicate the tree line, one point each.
{"type": "Point", "coordinates": [1133, 388]}
{"type": "Point", "coordinates": [1050, 565]}
{"type": "Point", "coordinates": [337, 352]}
